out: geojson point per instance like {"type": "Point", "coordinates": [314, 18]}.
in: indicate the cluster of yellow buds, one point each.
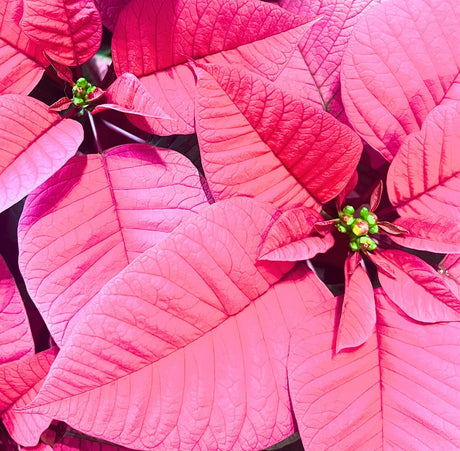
{"type": "Point", "coordinates": [358, 228]}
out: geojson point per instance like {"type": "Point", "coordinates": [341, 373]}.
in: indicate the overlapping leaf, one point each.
{"type": "Point", "coordinates": [400, 389]}
{"type": "Point", "coordinates": [416, 287]}
{"type": "Point", "coordinates": [70, 31]}
{"type": "Point", "coordinates": [110, 10]}
{"type": "Point", "coordinates": [323, 46]}
{"type": "Point", "coordinates": [257, 140]}
{"type": "Point", "coordinates": [257, 35]}
{"type": "Point", "coordinates": [15, 336]}
{"type": "Point", "coordinates": [92, 218]}
{"type": "Point", "coordinates": [21, 60]}
{"type": "Point", "coordinates": [429, 233]}
{"type": "Point", "coordinates": [34, 144]}
{"type": "Point", "coordinates": [424, 178]}
{"type": "Point", "coordinates": [196, 328]}
{"type": "Point", "coordinates": [402, 60]}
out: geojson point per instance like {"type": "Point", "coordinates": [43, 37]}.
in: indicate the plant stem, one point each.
{"type": "Point", "coordinates": [93, 128]}
{"type": "Point", "coordinates": [123, 132]}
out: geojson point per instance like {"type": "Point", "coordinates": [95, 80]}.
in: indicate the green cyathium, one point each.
{"type": "Point", "coordinates": [358, 228]}
{"type": "Point", "coordinates": [81, 91]}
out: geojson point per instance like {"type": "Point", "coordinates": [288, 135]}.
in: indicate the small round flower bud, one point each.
{"type": "Point", "coordinates": [354, 246]}
{"type": "Point", "coordinates": [371, 220]}
{"type": "Point", "coordinates": [341, 228]}
{"type": "Point", "coordinates": [364, 212]}
{"type": "Point", "coordinates": [82, 82]}
{"type": "Point", "coordinates": [348, 210]}
{"type": "Point", "coordinates": [360, 227]}
{"type": "Point", "coordinates": [374, 229]}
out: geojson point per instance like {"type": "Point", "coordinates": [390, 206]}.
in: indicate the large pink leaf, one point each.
{"type": "Point", "coordinates": [323, 46]}
{"type": "Point", "coordinates": [21, 60]}
{"type": "Point", "coordinates": [196, 326]}
{"type": "Point", "coordinates": [416, 287]}
{"type": "Point", "coordinates": [424, 178]}
{"type": "Point", "coordinates": [34, 144]}
{"type": "Point", "coordinates": [70, 31]}
{"type": "Point", "coordinates": [15, 337]}
{"type": "Point", "coordinates": [96, 215]}
{"type": "Point", "coordinates": [110, 10]}
{"type": "Point", "coordinates": [400, 390]}
{"type": "Point", "coordinates": [291, 238]}
{"type": "Point", "coordinates": [19, 376]}
{"type": "Point", "coordinates": [251, 33]}
{"type": "Point", "coordinates": [357, 320]}
{"type": "Point", "coordinates": [280, 149]}
{"type": "Point", "coordinates": [429, 233]}
{"type": "Point", "coordinates": [401, 61]}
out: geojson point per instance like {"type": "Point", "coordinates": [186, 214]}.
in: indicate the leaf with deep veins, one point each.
{"type": "Point", "coordinates": [21, 61]}
{"type": "Point", "coordinates": [195, 322]}
{"type": "Point", "coordinates": [424, 178]}
{"type": "Point", "coordinates": [96, 215]}
{"type": "Point", "coordinates": [17, 377]}
{"type": "Point", "coordinates": [429, 233]}
{"type": "Point", "coordinates": [402, 60]}
{"type": "Point", "coordinates": [34, 144]}
{"type": "Point", "coordinates": [293, 238]}
{"type": "Point", "coordinates": [69, 31]}
{"type": "Point", "coordinates": [416, 287]}
{"type": "Point", "coordinates": [153, 40]}
{"type": "Point", "coordinates": [15, 336]}
{"type": "Point", "coordinates": [110, 10]}
{"type": "Point", "coordinates": [323, 46]}
{"type": "Point", "coordinates": [357, 319]}
{"type": "Point", "coordinates": [399, 390]}
{"type": "Point", "coordinates": [257, 140]}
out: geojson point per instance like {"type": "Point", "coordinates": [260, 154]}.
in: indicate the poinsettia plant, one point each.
{"type": "Point", "coordinates": [227, 223]}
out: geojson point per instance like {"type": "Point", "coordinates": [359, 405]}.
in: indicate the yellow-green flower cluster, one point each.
{"type": "Point", "coordinates": [80, 91]}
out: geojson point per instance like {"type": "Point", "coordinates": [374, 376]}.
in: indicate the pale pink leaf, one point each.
{"type": "Point", "coordinates": [96, 215]}
{"type": "Point", "coordinates": [197, 333]}
{"type": "Point", "coordinates": [34, 144]}
{"type": "Point", "coordinates": [401, 61]}
{"type": "Point", "coordinates": [399, 390]}
{"type": "Point", "coordinates": [424, 178]}
{"type": "Point", "coordinates": [323, 46]}
{"type": "Point", "coordinates": [19, 376]}
{"type": "Point", "coordinates": [70, 31]}
{"type": "Point", "coordinates": [449, 268]}
{"type": "Point", "coordinates": [167, 33]}
{"type": "Point", "coordinates": [357, 320]}
{"type": "Point", "coordinates": [21, 61]}
{"type": "Point", "coordinates": [438, 234]}
{"type": "Point", "coordinates": [416, 287]}
{"type": "Point", "coordinates": [15, 336]}
{"type": "Point", "coordinates": [281, 149]}
{"type": "Point", "coordinates": [291, 238]}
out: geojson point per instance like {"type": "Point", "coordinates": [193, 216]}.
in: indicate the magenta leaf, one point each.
{"type": "Point", "coordinates": [424, 178]}
{"type": "Point", "coordinates": [280, 149]}
{"type": "Point", "coordinates": [110, 10]}
{"type": "Point", "coordinates": [358, 316]}
{"type": "Point", "coordinates": [69, 31]}
{"type": "Point", "coordinates": [429, 233]}
{"type": "Point", "coordinates": [21, 61]}
{"type": "Point", "coordinates": [19, 376]}
{"type": "Point", "coordinates": [128, 95]}
{"type": "Point", "coordinates": [196, 333]}
{"type": "Point", "coordinates": [34, 144]}
{"type": "Point", "coordinates": [323, 46]}
{"type": "Point", "coordinates": [449, 268]}
{"type": "Point", "coordinates": [168, 33]}
{"type": "Point", "coordinates": [291, 238]}
{"type": "Point", "coordinates": [97, 214]}
{"type": "Point", "coordinates": [386, 90]}
{"type": "Point", "coordinates": [416, 287]}
{"type": "Point", "coordinates": [15, 337]}
{"type": "Point", "coordinates": [400, 389]}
